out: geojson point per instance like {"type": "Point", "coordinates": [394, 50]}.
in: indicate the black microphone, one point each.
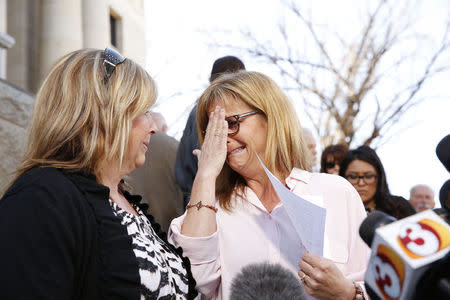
{"type": "Point", "coordinates": [266, 281]}
{"type": "Point", "coordinates": [444, 195]}
{"type": "Point", "coordinates": [376, 219]}
{"type": "Point", "coordinates": [443, 152]}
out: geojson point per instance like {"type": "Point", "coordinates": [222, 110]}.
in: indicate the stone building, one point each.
{"type": "Point", "coordinates": [34, 34]}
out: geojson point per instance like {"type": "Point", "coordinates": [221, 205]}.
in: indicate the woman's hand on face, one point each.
{"type": "Point", "coordinates": [323, 279]}
{"type": "Point", "coordinates": [214, 149]}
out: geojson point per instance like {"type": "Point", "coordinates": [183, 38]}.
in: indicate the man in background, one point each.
{"type": "Point", "coordinates": [421, 197]}
{"type": "Point", "coordinates": [155, 180]}
{"type": "Point", "coordinates": [311, 144]}
{"type": "Point", "coordinates": [186, 162]}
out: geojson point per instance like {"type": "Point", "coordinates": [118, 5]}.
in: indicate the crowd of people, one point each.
{"type": "Point", "coordinates": [72, 226]}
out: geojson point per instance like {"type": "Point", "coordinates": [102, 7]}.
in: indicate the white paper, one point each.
{"type": "Point", "coordinates": [308, 219]}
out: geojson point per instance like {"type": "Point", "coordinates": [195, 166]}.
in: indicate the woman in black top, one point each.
{"type": "Point", "coordinates": [363, 169]}
{"type": "Point", "coordinates": [68, 227]}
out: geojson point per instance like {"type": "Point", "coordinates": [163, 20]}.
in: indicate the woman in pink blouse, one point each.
{"type": "Point", "coordinates": [235, 216]}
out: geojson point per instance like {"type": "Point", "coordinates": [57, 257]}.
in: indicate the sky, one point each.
{"type": "Point", "coordinates": [180, 56]}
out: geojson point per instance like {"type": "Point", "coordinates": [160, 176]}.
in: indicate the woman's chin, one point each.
{"type": "Point", "coordinates": [139, 162]}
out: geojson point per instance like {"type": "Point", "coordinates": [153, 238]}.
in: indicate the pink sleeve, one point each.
{"type": "Point", "coordinates": [359, 252]}
{"type": "Point", "coordinates": [203, 252]}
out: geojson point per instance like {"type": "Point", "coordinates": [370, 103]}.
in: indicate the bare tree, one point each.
{"type": "Point", "coordinates": [334, 89]}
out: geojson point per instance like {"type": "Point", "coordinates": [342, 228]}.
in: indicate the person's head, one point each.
{"type": "Point", "coordinates": [421, 197]}
{"type": "Point", "coordinates": [160, 121]}
{"type": "Point", "coordinates": [310, 144]}
{"type": "Point", "coordinates": [363, 169]}
{"type": "Point", "coordinates": [331, 158]}
{"type": "Point", "coordinates": [271, 130]}
{"type": "Point", "coordinates": [89, 114]}
{"type": "Point", "coordinates": [226, 64]}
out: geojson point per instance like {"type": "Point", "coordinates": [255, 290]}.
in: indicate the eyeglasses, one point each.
{"type": "Point", "coordinates": [330, 164]}
{"type": "Point", "coordinates": [111, 60]}
{"type": "Point", "coordinates": [148, 114]}
{"type": "Point", "coordinates": [367, 178]}
{"type": "Point", "coordinates": [234, 121]}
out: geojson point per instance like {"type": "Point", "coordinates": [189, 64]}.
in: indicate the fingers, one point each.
{"type": "Point", "coordinates": [216, 128]}
{"type": "Point", "coordinates": [306, 268]}
{"type": "Point", "coordinates": [308, 283]}
{"type": "Point", "coordinates": [214, 148]}
{"type": "Point", "coordinates": [314, 274]}
{"type": "Point", "coordinates": [197, 152]}
{"type": "Point", "coordinates": [311, 259]}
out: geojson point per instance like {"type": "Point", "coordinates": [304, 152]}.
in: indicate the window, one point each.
{"type": "Point", "coordinates": [115, 29]}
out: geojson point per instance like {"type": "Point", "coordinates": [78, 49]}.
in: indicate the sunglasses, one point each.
{"type": "Point", "coordinates": [330, 164]}
{"type": "Point", "coordinates": [111, 61]}
{"type": "Point", "coordinates": [234, 121]}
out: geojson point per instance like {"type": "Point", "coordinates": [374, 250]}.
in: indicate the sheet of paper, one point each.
{"type": "Point", "coordinates": [307, 218]}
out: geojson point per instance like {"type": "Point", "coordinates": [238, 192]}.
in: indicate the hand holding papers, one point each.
{"type": "Point", "coordinates": [308, 219]}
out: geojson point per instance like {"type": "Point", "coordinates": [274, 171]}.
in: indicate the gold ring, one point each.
{"type": "Point", "coordinates": [302, 279]}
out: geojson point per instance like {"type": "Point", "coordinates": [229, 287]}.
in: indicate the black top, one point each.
{"type": "Point", "coordinates": [61, 240]}
{"type": "Point", "coordinates": [186, 162]}
{"type": "Point", "coordinates": [401, 208]}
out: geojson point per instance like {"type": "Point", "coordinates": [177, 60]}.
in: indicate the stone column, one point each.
{"type": "Point", "coordinates": [61, 31]}
{"type": "Point", "coordinates": [4, 39]}
{"type": "Point", "coordinates": [95, 24]}
{"type": "Point", "coordinates": [18, 27]}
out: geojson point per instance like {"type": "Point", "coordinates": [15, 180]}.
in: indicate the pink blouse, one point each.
{"type": "Point", "coordinates": [250, 234]}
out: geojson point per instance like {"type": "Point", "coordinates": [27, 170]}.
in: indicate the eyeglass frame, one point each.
{"type": "Point", "coordinates": [363, 177]}
{"type": "Point", "coordinates": [238, 117]}
{"type": "Point", "coordinates": [112, 59]}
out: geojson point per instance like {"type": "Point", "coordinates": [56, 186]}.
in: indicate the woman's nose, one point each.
{"type": "Point", "coordinates": [153, 128]}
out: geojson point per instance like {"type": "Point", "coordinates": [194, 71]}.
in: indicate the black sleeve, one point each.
{"type": "Point", "coordinates": [186, 162]}
{"type": "Point", "coordinates": [38, 244]}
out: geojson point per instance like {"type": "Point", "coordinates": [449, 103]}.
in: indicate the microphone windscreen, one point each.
{"type": "Point", "coordinates": [371, 223]}
{"type": "Point", "coordinates": [444, 195]}
{"type": "Point", "coordinates": [443, 152]}
{"type": "Point", "coordinates": [266, 281]}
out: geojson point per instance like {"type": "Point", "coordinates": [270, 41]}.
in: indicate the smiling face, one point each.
{"type": "Point", "coordinates": [251, 138]}
{"type": "Point", "coordinates": [141, 130]}
{"type": "Point", "coordinates": [363, 169]}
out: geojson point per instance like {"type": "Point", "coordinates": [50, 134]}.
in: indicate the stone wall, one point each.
{"type": "Point", "coordinates": [16, 107]}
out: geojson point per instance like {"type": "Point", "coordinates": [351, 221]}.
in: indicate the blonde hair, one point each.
{"type": "Point", "coordinates": [285, 146]}
{"type": "Point", "coordinates": [80, 122]}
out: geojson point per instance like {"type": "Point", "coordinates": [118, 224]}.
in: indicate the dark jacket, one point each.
{"type": "Point", "coordinates": [61, 240]}
{"type": "Point", "coordinates": [401, 208]}
{"type": "Point", "coordinates": [186, 164]}
{"type": "Point", "coordinates": [155, 180]}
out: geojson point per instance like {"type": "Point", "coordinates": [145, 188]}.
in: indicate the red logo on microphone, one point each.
{"type": "Point", "coordinates": [423, 238]}
{"type": "Point", "coordinates": [389, 272]}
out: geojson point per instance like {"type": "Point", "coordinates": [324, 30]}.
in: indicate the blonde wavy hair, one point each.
{"type": "Point", "coordinates": [81, 122]}
{"type": "Point", "coordinates": [285, 146]}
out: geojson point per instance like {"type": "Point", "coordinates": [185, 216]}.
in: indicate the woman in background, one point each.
{"type": "Point", "coordinates": [363, 169]}
{"type": "Point", "coordinates": [331, 157]}
{"type": "Point", "coordinates": [68, 226]}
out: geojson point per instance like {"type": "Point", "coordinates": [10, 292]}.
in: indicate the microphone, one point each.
{"type": "Point", "coordinates": [266, 281]}
{"type": "Point", "coordinates": [402, 251]}
{"type": "Point", "coordinates": [443, 151]}
{"type": "Point", "coordinates": [444, 195]}
{"type": "Point", "coordinates": [368, 226]}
